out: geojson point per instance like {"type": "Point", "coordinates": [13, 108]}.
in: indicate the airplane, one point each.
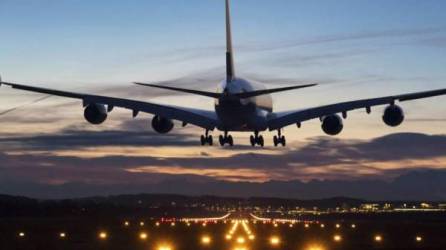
{"type": "Point", "coordinates": [240, 106]}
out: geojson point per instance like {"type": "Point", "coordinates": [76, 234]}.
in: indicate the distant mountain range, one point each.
{"type": "Point", "coordinates": [427, 185]}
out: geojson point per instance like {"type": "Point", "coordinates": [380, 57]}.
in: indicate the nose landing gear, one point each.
{"type": "Point", "coordinates": [279, 139]}
{"type": "Point", "coordinates": [206, 139]}
{"type": "Point", "coordinates": [257, 139]}
{"type": "Point", "coordinates": [226, 139]}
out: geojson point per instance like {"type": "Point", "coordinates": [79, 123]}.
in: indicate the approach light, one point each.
{"type": "Point", "coordinates": [205, 240]}
{"type": "Point", "coordinates": [240, 240]}
{"type": "Point", "coordinates": [274, 240]}
{"type": "Point", "coordinates": [103, 235]}
{"type": "Point", "coordinates": [143, 236]}
{"type": "Point", "coordinates": [337, 238]}
{"type": "Point", "coordinates": [315, 247]}
{"type": "Point", "coordinates": [378, 238]}
{"type": "Point", "coordinates": [164, 247]}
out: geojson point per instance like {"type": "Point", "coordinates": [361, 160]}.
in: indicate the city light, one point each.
{"type": "Point", "coordinates": [337, 238]}
{"type": "Point", "coordinates": [103, 235]}
{"type": "Point", "coordinates": [322, 226]}
{"type": "Point", "coordinates": [228, 236]}
{"type": "Point", "coordinates": [172, 224]}
{"type": "Point", "coordinates": [62, 235]}
{"type": "Point", "coordinates": [251, 237]}
{"type": "Point", "coordinates": [157, 224]}
{"type": "Point", "coordinates": [338, 226]}
{"type": "Point", "coordinates": [378, 238]}
{"type": "Point", "coordinates": [274, 240]}
{"type": "Point", "coordinates": [418, 239]}
{"type": "Point", "coordinates": [126, 223]}
{"type": "Point", "coordinates": [143, 236]}
{"type": "Point", "coordinates": [21, 234]}
{"type": "Point", "coordinates": [307, 225]}
{"type": "Point", "coordinates": [353, 226]}
{"type": "Point", "coordinates": [141, 223]}
{"type": "Point", "coordinates": [205, 240]}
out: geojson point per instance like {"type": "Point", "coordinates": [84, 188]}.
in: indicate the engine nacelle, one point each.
{"type": "Point", "coordinates": [332, 124]}
{"type": "Point", "coordinates": [95, 113]}
{"type": "Point", "coordinates": [162, 125]}
{"type": "Point", "coordinates": [393, 115]}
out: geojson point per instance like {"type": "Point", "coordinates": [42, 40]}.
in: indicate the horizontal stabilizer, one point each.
{"type": "Point", "coordinates": [243, 95]}
{"type": "Point", "coordinates": [190, 91]}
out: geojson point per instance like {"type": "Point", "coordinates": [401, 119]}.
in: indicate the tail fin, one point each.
{"type": "Point", "coordinates": [230, 73]}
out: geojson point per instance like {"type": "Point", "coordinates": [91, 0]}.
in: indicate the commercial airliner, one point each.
{"type": "Point", "coordinates": [239, 106]}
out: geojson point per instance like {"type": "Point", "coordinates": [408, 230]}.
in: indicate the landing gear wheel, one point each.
{"type": "Point", "coordinates": [283, 141]}
{"type": "Point", "coordinates": [210, 140]}
{"type": "Point", "coordinates": [276, 141]}
{"type": "Point", "coordinates": [230, 140]}
{"type": "Point", "coordinates": [252, 140]}
{"type": "Point", "coordinates": [202, 140]}
{"type": "Point", "coordinates": [261, 142]}
{"type": "Point", "coordinates": [221, 139]}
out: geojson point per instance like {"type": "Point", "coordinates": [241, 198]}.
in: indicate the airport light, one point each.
{"type": "Point", "coordinates": [274, 240]}
{"type": "Point", "coordinates": [141, 223]}
{"type": "Point", "coordinates": [251, 237]}
{"type": "Point", "coordinates": [143, 236]}
{"type": "Point", "coordinates": [378, 238]}
{"type": "Point", "coordinates": [315, 247]}
{"type": "Point", "coordinates": [164, 247]}
{"type": "Point", "coordinates": [291, 225]}
{"type": "Point", "coordinates": [338, 225]}
{"type": "Point", "coordinates": [353, 226]}
{"type": "Point", "coordinates": [172, 224]}
{"type": "Point", "coordinates": [205, 240]}
{"type": "Point", "coordinates": [204, 224]}
{"type": "Point", "coordinates": [337, 238]}
{"type": "Point", "coordinates": [240, 240]}
{"type": "Point", "coordinates": [322, 226]}
{"type": "Point", "coordinates": [103, 235]}
{"type": "Point", "coordinates": [157, 224]}
{"type": "Point", "coordinates": [228, 236]}
{"type": "Point", "coordinates": [418, 238]}
{"type": "Point", "coordinates": [307, 225]}
{"type": "Point", "coordinates": [21, 234]}
{"type": "Point", "coordinates": [62, 235]}
{"type": "Point", "coordinates": [126, 223]}
{"type": "Point", "coordinates": [276, 225]}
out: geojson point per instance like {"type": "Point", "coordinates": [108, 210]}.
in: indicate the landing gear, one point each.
{"type": "Point", "coordinates": [279, 139]}
{"type": "Point", "coordinates": [206, 139]}
{"type": "Point", "coordinates": [226, 139]}
{"type": "Point", "coordinates": [257, 139]}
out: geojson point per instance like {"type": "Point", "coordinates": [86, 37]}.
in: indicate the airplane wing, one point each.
{"type": "Point", "coordinates": [282, 119]}
{"type": "Point", "coordinates": [201, 118]}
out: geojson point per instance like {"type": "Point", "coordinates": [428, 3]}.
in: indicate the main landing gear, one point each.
{"type": "Point", "coordinates": [257, 139]}
{"type": "Point", "coordinates": [279, 139]}
{"type": "Point", "coordinates": [226, 139]}
{"type": "Point", "coordinates": [206, 139]}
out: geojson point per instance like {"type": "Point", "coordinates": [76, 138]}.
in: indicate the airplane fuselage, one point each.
{"type": "Point", "coordinates": [248, 114]}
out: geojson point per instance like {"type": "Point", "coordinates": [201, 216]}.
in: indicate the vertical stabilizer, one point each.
{"type": "Point", "coordinates": [230, 73]}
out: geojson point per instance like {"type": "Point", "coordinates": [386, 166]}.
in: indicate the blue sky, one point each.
{"type": "Point", "coordinates": [355, 49]}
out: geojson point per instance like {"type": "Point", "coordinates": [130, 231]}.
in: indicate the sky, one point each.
{"type": "Point", "coordinates": [354, 49]}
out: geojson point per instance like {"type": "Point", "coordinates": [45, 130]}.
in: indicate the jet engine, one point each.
{"type": "Point", "coordinates": [332, 124]}
{"type": "Point", "coordinates": [95, 113]}
{"type": "Point", "coordinates": [393, 115]}
{"type": "Point", "coordinates": [162, 125]}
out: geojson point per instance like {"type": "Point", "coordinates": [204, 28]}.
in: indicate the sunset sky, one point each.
{"type": "Point", "coordinates": [354, 49]}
